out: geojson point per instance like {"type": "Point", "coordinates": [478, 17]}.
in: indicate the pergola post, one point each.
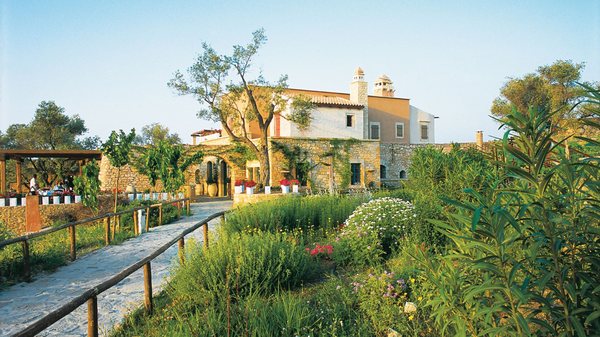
{"type": "Point", "coordinates": [2, 175]}
{"type": "Point", "coordinates": [18, 174]}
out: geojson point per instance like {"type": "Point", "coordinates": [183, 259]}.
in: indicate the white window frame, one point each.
{"type": "Point", "coordinates": [403, 130]}
{"type": "Point", "coordinates": [371, 124]}
{"type": "Point", "coordinates": [353, 120]}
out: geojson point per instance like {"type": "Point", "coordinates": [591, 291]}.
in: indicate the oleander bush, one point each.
{"type": "Point", "coordinates": [524, 254]}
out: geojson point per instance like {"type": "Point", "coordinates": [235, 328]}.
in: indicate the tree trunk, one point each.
{"type": "Point", "coordinates": [265, 168]}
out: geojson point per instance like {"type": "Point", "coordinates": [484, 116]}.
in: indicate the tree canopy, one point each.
{"type": "Point", "coordinates": [222, 86]}
{"type": "Point", "coordinates": [118, 150]}
{"type": "Point", "coordinates": [551, 88]}
{"type": "Point", "coordinates": [50, 129]}
{"type": "Point", "coordinates": [155, 133]}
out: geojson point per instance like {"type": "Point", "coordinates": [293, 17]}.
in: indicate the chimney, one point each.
{"type": "Point", "coordinates": [479, 140]}
{"type": "Point", "coordinates": [359, 94]}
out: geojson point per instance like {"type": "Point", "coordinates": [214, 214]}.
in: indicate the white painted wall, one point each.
{"type": "Point", "coordinates": [418, 117]}
{"type": "Point", "coordinates": [327, 123]}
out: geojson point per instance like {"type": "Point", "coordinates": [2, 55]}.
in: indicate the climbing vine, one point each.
{"type": "Point", "coordinates": [339, 153]}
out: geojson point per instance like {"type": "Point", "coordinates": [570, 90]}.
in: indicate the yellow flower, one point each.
{"type": "Point", "coordinates": [412, 280]}
{"type": "Point", "coordinates": [411, 317]}
{"type": "Point", "coordinates": [420, 298]}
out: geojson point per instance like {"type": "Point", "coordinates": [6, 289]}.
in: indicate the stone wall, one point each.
{"type": "Point", "coordinates": [364, 152]}
{"type": "Point", "coordinates": [396, 159]}
{"type": "Point", "coordinates": [14, 217]}
{"type": "Point", "coordinates": [129, 176]}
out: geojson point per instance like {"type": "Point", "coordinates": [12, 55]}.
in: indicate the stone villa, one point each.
{"type": "Point", "coordinates": [380, 131]}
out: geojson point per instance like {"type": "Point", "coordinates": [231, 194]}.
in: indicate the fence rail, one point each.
{"type": "Point", "coordinates": [91, 295]}
{"type": "Point", "coordinates": [71, 227]}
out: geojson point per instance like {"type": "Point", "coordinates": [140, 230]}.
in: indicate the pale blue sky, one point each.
{"type": "Point", "coordinates": [109, 61]}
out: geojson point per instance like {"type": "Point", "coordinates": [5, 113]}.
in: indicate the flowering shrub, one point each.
{"type": "Point", "coordinates": [239, 183]}
{"type": "Point", "coordinates": [325, 250]}
{"type": "Point", "coordinates": [382, 296]}
{"type": "Point", "coordinates": [250, 183]}
{"type": "Point", "coordinates": [389, 218]}
{"type": "Point", "coordinates": [372, 231]}
{"type": "Point", "coordinates": [284, 182]}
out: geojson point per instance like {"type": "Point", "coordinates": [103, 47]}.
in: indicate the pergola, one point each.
{"type": "Point", "coordinates": [18, 155]}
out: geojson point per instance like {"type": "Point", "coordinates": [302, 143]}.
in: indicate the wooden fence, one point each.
{"type": "Point", "coordinates": [108, 218]}
{"type": "Point", "coordinates": [91, 295]}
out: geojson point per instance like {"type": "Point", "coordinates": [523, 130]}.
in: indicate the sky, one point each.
{"type": "Point", "coordinates": [110, 61]}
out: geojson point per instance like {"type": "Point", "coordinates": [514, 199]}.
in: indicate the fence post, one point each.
{"type": "Point", "coordinates": [148, 287]}
{"type": "Point", "coordinates": [223, 218]}
{"type": "Point", "coordinates": [178, 210]}
{"type": "Point", "coordinates": [160, 214]}
{"type": "Point", "coordinates": [205, 232]}
{"type": "Point", "coordinates": [147, 219]}
{"type": "Point", "coordinates": [107, 230]}
{"type": "Point", "coordinates": [73, 243]}
{"type": "Point", "coordinates": [135, 223]}
{"type": "Point", "coordinates": [182, 250]}
{"type": "Point", "coordinates": [188, 207]}
{"type": "Point", "coordinates": [92, 304]}
{"type": "Point", "coordinates": [26, 266]}
{"type": "Point", "coordinates": [114, 228]}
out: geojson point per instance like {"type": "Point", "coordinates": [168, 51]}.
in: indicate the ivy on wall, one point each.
{"type": "Point", "coordinates": [338, 155]}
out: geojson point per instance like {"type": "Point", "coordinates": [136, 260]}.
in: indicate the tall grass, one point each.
{"type": "Point", "coordinates": [286, 214]}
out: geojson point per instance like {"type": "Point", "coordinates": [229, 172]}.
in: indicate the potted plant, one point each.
{"type": "Point", "coordinates": [285, 186]}
{"type": "Point", "coordinates": [250, 187]}
{"type": "Point", "coordinates": [2, 200]}
{"type": "Point", "coordinates": [267, 189]}
{"type": "Point", "coordinates": [239, 186]}
{"type": "Point", "coordinates": [295, 184]}
{"type": "Point", "coordinates": [212, 187]}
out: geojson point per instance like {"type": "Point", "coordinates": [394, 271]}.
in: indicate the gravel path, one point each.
{"type": "Point", "coordinates": [24, 303]}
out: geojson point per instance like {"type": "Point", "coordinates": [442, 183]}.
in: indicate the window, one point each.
{"type": "Point", "coordinates": [399, 130]}
{"type": "Point", "coordinates": [402, 174]}
{"type": "Point", "coordinates": [382, 172]}
{"type": "Point", "coordinates": [349, 121]}
{"type": "Point", "coordinates": [424, 132]}
{"type": "Point", "coordinates": [355, 177]}
{"type": "Point", "coordinates": [374, 130]}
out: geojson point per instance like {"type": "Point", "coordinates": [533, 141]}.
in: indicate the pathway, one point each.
{"type": "Point", "coordinates": [24, 303]}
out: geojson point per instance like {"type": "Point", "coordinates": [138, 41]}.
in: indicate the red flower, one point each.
{"type": "Point", "coordinates": [284, 182]}
{"type": "Point", "coordinates": [295, 182]}
{"type": "Point", "coordinates": [250, 184]}
{"type": "Point", "coordinates": [239, 183]}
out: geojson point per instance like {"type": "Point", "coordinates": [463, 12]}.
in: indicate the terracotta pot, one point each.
{"type": "Point", "coordinates": [212, 190]}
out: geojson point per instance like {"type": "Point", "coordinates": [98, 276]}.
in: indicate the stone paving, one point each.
{"type": "Point", "coordinates": [24, 303]}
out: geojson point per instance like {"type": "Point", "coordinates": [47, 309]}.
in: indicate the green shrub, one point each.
{"type": "Point", "coordinates": [435, 175]}
{"type": "Point", "coordinates": [524, 254]}
{"type": "Point", "coordinates": [242, 264]}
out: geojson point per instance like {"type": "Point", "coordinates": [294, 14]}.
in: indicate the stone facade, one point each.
{"type": "Point", "coordinates": [363, 152]}
{"type": "Point", "coordinates": [129, 176]}
{"type": "Point", "coordinates": [395, 161]}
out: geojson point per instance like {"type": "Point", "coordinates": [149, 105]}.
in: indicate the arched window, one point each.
{"type": "Point", "coordinates": [402, 174]}
{"type": "Point", "coordinates": [382, 172]}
